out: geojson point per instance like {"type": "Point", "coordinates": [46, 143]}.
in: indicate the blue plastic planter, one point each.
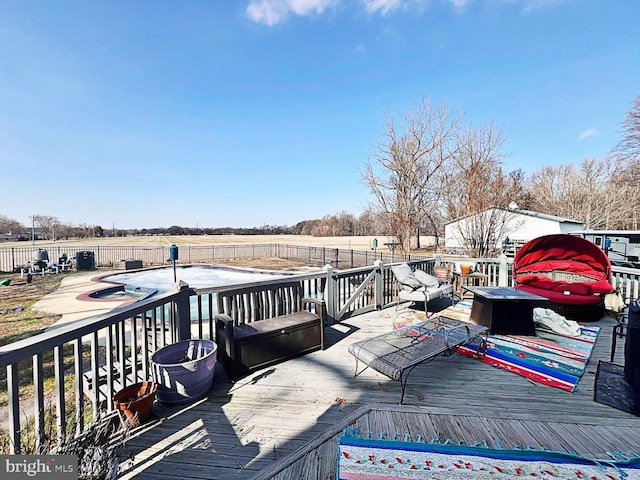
{"type": "Point", "coordinates": [184, 371]}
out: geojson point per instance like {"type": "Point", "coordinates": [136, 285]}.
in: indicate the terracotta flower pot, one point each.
{"type": "Point", "coordinates": [134, 403]}
{"type": "Point", "coordinates": [442, 273]}
{"type": "Point", "coordinates": [465, 269]}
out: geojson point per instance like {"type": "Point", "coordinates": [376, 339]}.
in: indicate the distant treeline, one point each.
{"type": "Point", "coordinates": [49, 228]}
{"type": "Point", "coordinates": [341, 224]}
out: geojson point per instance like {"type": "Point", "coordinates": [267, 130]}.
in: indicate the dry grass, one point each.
{"type": "Point", "coordinates": [354, 242]}
{"type": "Point", "coordinates": [18, 319]}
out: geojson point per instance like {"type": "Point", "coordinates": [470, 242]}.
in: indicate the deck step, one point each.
{"type": "Point", "coordinates": [88, 383]}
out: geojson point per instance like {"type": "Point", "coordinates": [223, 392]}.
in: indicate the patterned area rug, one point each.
{"type": "Point", "coordinates": [376, 459]}
{"type": "Point", "coordinates": [549, 358]}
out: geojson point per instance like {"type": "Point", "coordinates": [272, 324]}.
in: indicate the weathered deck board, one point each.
{"type": "Point", "coordinates": [283, 422]}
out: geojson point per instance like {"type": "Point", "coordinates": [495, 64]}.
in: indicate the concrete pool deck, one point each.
{"type": "Point", "coordinates": [73, 301]}
{"type": "Point", "coordinates": [64, 301]}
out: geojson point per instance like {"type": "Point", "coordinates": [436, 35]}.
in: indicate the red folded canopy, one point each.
{"type": "Point", "coordinates": [564, 253]}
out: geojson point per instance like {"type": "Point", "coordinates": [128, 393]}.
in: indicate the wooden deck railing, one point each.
{"type": "Point", "coordinates": [89, 360]}
{"type": "Point", "coordinates": [627, 281]}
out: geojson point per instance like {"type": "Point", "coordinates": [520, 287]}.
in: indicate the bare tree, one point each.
{"type": "Point", "coordinates": [366, 224]}
{"type": "Point", "coordinates": [627, 154]}
{"type": "Point", "coordinates": [402, 171]}
{"type": "Point", "coordinates": [483, 232]}
{"type": "Point", "coordinates": [47, 225]}
{"type": "Point", "coordinates": [341, 224]}
{"type": "Point", "coordinates": [478, 191]}
{"type": "Point", "coordinates": [623, 193]}
{"type": "Point", "coordinates": [629, 146]}
{"type": "Point", "coordinates": [66, 230]}
{"type": "Point", "coordinates": [9, 225]}
{"type": "Point", "coordinates": [598, 192]}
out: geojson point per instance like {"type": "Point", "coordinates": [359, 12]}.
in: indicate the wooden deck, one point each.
{"type": "Point", "coordinates": [283, 422]}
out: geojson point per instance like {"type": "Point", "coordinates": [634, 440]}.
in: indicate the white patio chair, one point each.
{"type": "Point", "coordinates": [418, 286]}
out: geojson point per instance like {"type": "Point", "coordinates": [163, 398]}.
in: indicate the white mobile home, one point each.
{"type": "Point", "coordinates": [518, 226]}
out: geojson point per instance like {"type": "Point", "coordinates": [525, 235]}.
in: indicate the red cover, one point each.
{"type": "Point", "coordinates": [560, 297]}
{"type": "Point", "coordinates": [564, 253]}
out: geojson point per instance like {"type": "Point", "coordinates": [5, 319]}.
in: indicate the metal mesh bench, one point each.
{"type": "Point", "coordinates": [395, 354]}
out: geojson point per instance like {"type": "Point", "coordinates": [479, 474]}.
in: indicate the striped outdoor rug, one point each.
{"type": "Point", "coordinates": [548, 358]}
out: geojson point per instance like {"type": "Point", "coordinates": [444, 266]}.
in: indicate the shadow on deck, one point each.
{"type": "Point", "coordinates": [283, 422]}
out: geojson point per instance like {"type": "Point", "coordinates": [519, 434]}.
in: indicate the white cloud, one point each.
{"type": "Point", "coordinates": [531, 5]}
{"type": "Point", "coordinates": [588, 133]}
{"type": "Point", "coordinates": [271, 12]}
{"type": "Point", "coordinates": [382, 6]}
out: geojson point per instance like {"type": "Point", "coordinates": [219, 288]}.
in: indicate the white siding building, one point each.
{"type": "Point", "coordinates": [518, 225]}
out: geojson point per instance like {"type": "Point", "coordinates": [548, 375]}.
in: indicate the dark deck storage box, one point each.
{"type": "Point", "coordinates": [264, 325]}
{"type": "Point", "coordinates": [257, 345]}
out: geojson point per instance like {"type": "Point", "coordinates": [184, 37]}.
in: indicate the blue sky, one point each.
{"type": "Point", "coordinates": [250, 112]}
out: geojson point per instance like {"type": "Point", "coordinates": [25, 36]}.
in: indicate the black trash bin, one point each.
{"type": "Point", "coordinates": [632, 354]}
{"type": "Point", "coordinates": [85, 261]}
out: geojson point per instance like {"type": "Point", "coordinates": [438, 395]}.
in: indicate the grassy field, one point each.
{"type": "Point", "coordinates": [18, 319]}
{"type": "Point", "coordinates": [354, 242]}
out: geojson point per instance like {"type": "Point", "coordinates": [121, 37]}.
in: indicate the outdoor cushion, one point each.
{"type": "Point", "coordinates": [427, 280]}
{"type": "Point", "coordinates": [579, 288]}
{"type": "Point", "coordinates": [529, 278]}
{"type": "Point", "coordinates": [581, 269]}
{"type": "Point", "coordinates": [404, 275]}
{"type": "Point", "coordinates": [541, 282]}
{"type": "Point", "coordinates": [568, 266]}
{"type": "Point", "coordinates": [560, 297]}
{"type": "Point", "coordinates": [601, 287]}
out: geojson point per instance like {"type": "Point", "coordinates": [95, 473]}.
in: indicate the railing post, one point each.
{"type": "Point", "coordinates": [182, 325]}
{"type": "Point", "coordinates": [14, 409]}
{"type": "Point", "coordinates": [330, 294]}
{"type": "Point", "coordinates": [378, 292]}
{"type": "Point", "coordinates": [503, 271]}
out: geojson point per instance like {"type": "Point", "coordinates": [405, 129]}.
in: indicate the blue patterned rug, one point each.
{"type": "Point", "coordinates": [400, 459]}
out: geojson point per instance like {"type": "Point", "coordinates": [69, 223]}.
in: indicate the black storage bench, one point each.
{"type": "Point", "coordinates": [264, 325]}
